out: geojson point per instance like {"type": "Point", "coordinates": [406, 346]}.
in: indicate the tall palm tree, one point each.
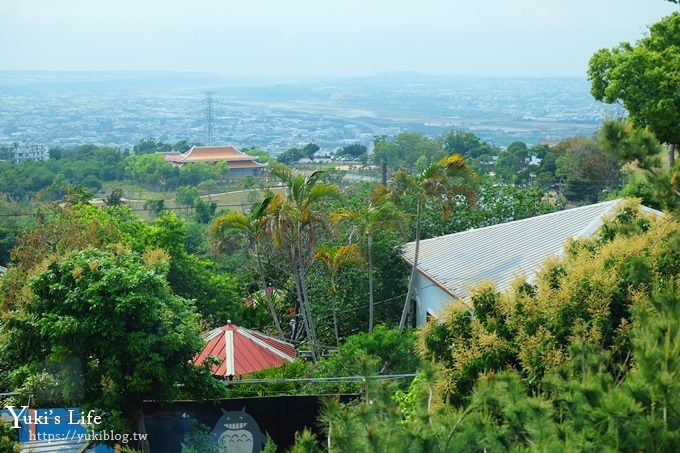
{"type": "Point", "coordinates": [378, 214]}
{"type": "Point", "coordinates": [250, 229]}
{"type": "Point", "coordinates": [335, 258]}
{"type": "Point", "coordinates": [295, 222]}
{"type": "Point", "coordinates": [444, 182]}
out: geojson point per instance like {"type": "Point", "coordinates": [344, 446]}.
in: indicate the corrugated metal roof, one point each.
{"type": "Point", "coordinates": [55, 446]}
{"type": "Point", "coordinates": [244, 351]}
{"type": "Point", "coordinates": [501, 252]}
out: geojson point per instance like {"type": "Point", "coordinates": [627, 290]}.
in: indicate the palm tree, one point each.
{"type": "Point", "coordinates": [250, 228]}
{"type": "Point", "coordinates": [444, 182]}
{"type": "Point", "coordinates": [378, 214]}
{"type": "Point", "coordinates": [295, 222]}
{"type": "Point", "coordinates": [335, 258]}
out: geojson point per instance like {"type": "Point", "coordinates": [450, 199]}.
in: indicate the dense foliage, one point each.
{"type": "Point", "coordinates": [107, 329]}
{"type": "Point", "coordinates": [644, 79]}
{"type": "Point", "coordinates": [585, 358]}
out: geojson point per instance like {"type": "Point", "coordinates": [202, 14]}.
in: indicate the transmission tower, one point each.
{"type": "Point", "coordinates": [209, 115]}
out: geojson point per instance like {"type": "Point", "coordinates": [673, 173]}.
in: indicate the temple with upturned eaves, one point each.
{"type": "Point", "coordinates": [240, 164]}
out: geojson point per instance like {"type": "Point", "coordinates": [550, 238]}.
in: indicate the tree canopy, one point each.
{"type": "Point", "coordinates": [644, 78]}
{"type": "Point", "coordinates": [584, 359]}
{"type": "Point", "coordinates": [93, 303]}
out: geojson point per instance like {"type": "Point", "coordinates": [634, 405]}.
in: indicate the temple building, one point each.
{"type": "Point", "coordinates": [240, 164]}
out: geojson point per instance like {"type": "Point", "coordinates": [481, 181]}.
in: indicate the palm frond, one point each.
{"type": "Point", "coordinates": [260, 209]}
{"type": "Point", "coordinates": [379, 194]}
{"type": "Point", "coordinates": [282, 172]}
{"type": "Point", "coordinates": [454, 161]}
{"type": "Point", "coordinates": [228, 222]}
{"type": "Point", "coordinates": [322, 191]}
{"type": "Point", "coordinates": [466, 191]}
{"type": "Point", "coordinates": [315, 177]}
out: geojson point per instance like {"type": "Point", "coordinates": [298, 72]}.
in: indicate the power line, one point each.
{"type": "Point", "coordinates": [340, 379]}
{"type": "Point", "coordinates": [138, 209]}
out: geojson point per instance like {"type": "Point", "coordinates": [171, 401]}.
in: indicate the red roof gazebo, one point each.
{"type": "Point", "coordinates": [244, 351]}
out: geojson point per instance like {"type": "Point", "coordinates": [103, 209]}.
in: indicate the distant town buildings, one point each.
{"type": "Point", "coordinates": [21, 153]}
{"type": "Point", "coordinates": [275, 119]}
{"type": "Point", "coordinates": [533, 160]}
{"type": "Point", "coordinates": [240, 164]}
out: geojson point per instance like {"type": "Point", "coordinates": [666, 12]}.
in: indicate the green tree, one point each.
{"type": "Point", "coordinates": [644, 78]}
{"type": "Point", "coordinates": [150, 169]}
{"type": "Point", "coordinates": [251, 231]}
{"type": "Point", "coordinates": [355, 150]}
{"type": "Point", "coordinates": [309, 149]}
{"type": "Point", "coordinates": [586, 169]}
{"type": "Point", "coordinates": [587, 359]}
{"type": "Point", "coordinates": [657, 187]}
{"type": "Point", "coordinates": [497, 203]}
{"type": "Point", "coordinates": [467, 144]}
{"type": "Point", "coordinates": [155, 206]}
{"type": "Point", "coordinates": [181, 146]}
{"type": "Point", "coordinates": [334, 259]}
{"type": "Point", "coordinates": [217, 294]}
{"type": "Point", "coordinates": [114, 198]}
{"type": "Point", "coordinates": [261, 155]}
{"type": "Point", "coordinates": [512, 166]}
{"type": "Point", "coordinates": [295, 222]}
{"type": "Point", "coordinates": [204, 211]}
{"type": "Point", "coordinates": [108, 327]}
{"type": "Point", "coordinates": [187, 196]}
{"type": "Point", "coordinates": [290, 156]}
{"type": "Point", "coordinates": [8, 237]}
{"type": "Point", "coordinates": [443, 181]}
{"type": "Point", "coordinates": [405, 149]}
{"type": "Point", "coordinates": [378, 214]}
{"type": "Point", "coordinates": [150, 145]}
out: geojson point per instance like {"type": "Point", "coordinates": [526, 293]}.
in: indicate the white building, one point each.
{"type": "Point", "coordinates": [449, 265]}
{"type": "Point", "coordinates": [21, 153]}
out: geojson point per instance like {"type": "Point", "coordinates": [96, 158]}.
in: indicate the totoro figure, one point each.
{"type": "Point", "coordinates": [238, 432]}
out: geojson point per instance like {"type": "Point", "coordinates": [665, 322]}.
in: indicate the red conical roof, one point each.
{"type": "Point", "coordinates": [244, 351]}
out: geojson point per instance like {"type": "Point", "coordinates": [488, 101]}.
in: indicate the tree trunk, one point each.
{"type": "Point", "coordinates": [272, 311]}
{"type": "Point", "coordinates": [334, 291]}
{"type": "Point", "coordinates": [266, 295]}
{"type": "Point", "coordinates": [335, 321]}
{"type": "Point", "coordinates": [301, 302]}
{"type": "Point", "coordinates": [370, 283]}
{"type": "Point", "coordinates": [671, 155]}
{"type": "Point", "coordinates": [311, 332]}
{"type": "Point", "coordinates": [310, 319]}
{"type": "Point", "coordinates": [411, 281]}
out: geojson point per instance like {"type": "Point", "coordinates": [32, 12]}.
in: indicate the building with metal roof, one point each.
{"type": "Point", "coordinates": [243, 351]}
{"type": "Point", "coordinates": [449, 265]}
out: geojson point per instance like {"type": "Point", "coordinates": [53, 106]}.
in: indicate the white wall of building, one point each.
{"type": "Point", "coordinates": [430, 298]}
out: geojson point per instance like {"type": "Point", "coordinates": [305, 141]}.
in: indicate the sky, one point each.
{"type": "Point", "coordinates": [341, 38]}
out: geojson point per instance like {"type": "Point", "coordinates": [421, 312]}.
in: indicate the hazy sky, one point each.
{"type": "Point", "coordinates": [320, 37]}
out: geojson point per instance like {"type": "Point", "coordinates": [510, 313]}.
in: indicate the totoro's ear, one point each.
{"type": "Point", "coordinates": [243, 409]}
{"type": "Point", "coordinates": [223, 411]}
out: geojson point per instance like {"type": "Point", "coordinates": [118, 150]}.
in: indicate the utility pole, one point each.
{"type": "Point", "coordinates": [209, 115]}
